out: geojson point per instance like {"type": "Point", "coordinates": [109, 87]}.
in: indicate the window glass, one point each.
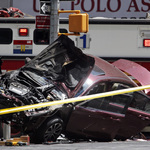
{"type": "Point", "coordinates": [116, 103]}
{"type": "Point", "coordinates": [141, 101]}
{"type": "Point", "coordinates": [41, 36]}
{"type": "Point", "coordinates": [112, 86]}
{"type": "Point", "coordinates": [97, 71]}
{"type": "Point", "coordinates": [147, 106]}
{"type": "Point", "coordinates": [98, 88]}
{"type": "Point", "coordinates": [5, 36]}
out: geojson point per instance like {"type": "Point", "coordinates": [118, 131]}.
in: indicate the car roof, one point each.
{"type": "Point", "coordinates": [111, 71]}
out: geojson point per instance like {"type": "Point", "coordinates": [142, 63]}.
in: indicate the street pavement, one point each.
{"type": "Point", "coordinates": [115, 145]}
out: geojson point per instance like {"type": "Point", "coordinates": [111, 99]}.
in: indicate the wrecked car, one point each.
{"type": "Point", "coordinates": [63, 71]}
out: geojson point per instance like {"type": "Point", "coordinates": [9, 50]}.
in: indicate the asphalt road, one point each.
{"type": "Point", "coordinates": [127, 145]}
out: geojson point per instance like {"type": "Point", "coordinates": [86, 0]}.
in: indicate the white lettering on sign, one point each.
{"type": "Point", "coordinates": [42, 22]}
{"type": "Point", "coordinates": [95, 8]}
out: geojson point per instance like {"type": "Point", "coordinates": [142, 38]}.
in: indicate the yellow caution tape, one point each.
{"type": "Point", "coordinates": [71, 100]}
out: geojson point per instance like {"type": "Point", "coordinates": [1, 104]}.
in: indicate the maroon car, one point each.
{"type": "Point", "coordinates": [103, 119]}
{"type": "Point", "coordinates": [63, 71]}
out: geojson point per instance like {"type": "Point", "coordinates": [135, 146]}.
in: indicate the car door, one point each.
{"type": "Point", "coordinates": [98, 119]}
{"type": "Point", "coordinates": [137, 116]}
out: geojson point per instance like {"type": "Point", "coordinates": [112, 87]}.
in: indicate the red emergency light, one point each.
{"type": "Point", "coordinates": [146, 42]}
{"type": "Point", "coordinates": [23, 31]}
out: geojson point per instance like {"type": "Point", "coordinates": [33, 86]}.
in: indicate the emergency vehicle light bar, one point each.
{"type": "Point", "coordinates": [23, 31]}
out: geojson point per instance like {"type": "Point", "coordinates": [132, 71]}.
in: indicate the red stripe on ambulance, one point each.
{"type": "Point", "coordinates": [22, 42]}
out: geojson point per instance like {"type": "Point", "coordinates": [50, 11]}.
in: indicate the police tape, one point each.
{"type": "Point", "coordinates": [72, 100]}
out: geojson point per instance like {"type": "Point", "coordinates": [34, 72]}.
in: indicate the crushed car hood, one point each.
{"type": "Point", "coordinates": [61, 61]}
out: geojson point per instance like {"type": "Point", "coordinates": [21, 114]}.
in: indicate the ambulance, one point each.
{"type": "Point", "coordinates": [107, 38]}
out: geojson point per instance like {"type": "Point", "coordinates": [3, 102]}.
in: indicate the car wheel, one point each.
{"type": "Point", "coordinates": [50, 130]}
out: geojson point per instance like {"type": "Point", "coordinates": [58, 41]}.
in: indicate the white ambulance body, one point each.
{"type": "Point", "coordinates": [110, 39]}
{"type": "Point", "coordinates": [117, 38]}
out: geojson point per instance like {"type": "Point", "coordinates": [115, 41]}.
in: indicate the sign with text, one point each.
{"type": "Point", "coordinates": [95, 8]}
{"type": "Point", "coordinates": [42, 22]}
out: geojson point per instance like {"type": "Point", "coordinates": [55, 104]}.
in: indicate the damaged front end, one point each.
{"type": "Point", "coordinates": [51, 75]}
